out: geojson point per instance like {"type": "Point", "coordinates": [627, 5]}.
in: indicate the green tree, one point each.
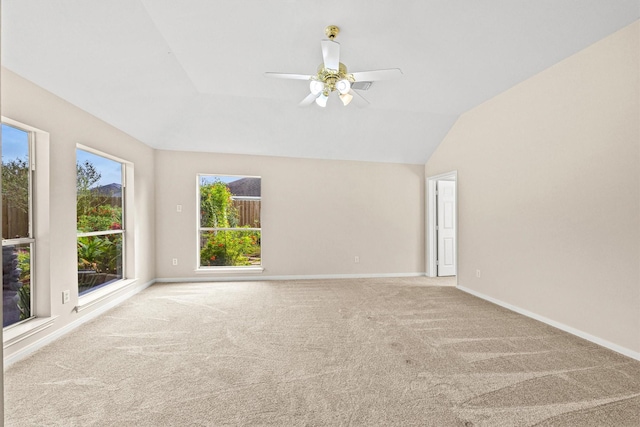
{"type": "Point", "coordinates": [15, 183]}
{"type": "Point", "coordinates": [86, 177]}
{"type": "Point", "coordinates": [216, 205]}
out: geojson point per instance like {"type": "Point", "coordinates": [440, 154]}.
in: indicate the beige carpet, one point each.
{"type": "Point", "coordinates": [383, 352]}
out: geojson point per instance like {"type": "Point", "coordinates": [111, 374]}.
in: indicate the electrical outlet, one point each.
{"type": "Point", "coordinates": [175, 261]}
{"type": "Point", "coordinates": [356, 260]}
{"type": "Point", "coordinates": [477, 273]}
{"type": "Point", "coordinates": [178, 208]}
{"type": "Point", "coordinates": [66, 296]}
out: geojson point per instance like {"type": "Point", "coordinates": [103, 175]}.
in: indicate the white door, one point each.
{"type": "Point", "coordinates": [446, 227]}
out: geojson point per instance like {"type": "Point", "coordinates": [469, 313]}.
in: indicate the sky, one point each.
{"type": "Point", "coordinates": [110, 170]}
{"type": "Point", "coordinates": [15, 144]}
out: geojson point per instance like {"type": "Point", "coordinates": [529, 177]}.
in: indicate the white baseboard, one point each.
{"type": "Point", "coordinates": [596, 340]}
{"type": "Point", "coordinates": [24, 352]}
{"type": "Point", "coordinates": [286, 277]}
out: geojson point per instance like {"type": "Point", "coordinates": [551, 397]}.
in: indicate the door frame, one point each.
{"type": "Point", "coordinates": [431, 239]}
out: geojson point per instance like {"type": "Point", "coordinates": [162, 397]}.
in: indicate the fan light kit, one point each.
{"type": "Point", "coordinates": [332, 76]}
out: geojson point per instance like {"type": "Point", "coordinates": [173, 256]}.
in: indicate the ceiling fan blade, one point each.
{"type": "Point", "coordinates": [308, 100]}
{"type": "Point", "coordinates": [362, 85]}
{"type": "Point", "coordinates": [288, 76]}
{"type": "Point", "coordinates": [373, 75]}
{"type": "Point", "coordinates": [330, 54]}
{"type": "Point", "coordinates": [358, 99]}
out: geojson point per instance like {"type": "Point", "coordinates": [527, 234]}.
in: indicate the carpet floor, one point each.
{"type": "Point", "coordinates": [366, 352]}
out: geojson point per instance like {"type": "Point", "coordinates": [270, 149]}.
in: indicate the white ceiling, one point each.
{"type": "Point", "coordinates": [188, 74]}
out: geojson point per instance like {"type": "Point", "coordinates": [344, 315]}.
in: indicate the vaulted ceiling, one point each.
{"type": "Point", "coordinates": [189, 74]}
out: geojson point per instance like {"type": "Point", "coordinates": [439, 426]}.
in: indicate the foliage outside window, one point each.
{"type": "Point", "coordinates": [17, 230]}
{"type": "Point", "coordinates": [100, 206]}
{"type": "Point", "coordinates": [229, 224]}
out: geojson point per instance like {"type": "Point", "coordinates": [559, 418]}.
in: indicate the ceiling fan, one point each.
{"type": "Point", "coordinates": [332, 76]}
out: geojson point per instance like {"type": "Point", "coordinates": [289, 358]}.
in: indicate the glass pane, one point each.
{"type": "Point", "coordinates": [15, 183]}
{"type": "Point", "coordinates": [228, 201]}
{"type": "Point", "coordinates": [248, 212]}
{"type": "Point", "coordinates": [99, 261]}
{"type": "Point", "coordinates": [16, 283]}
{"type": "Point", "coordinates": [99, 193]}
{"type": "Point", "coordinates": [230, 248]}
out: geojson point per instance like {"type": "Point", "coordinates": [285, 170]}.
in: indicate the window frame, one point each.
{"type": "Point", "coordinates": [41, 297]}
{"type": "Point", "coordinates": [30, 240]}
{"type": "Point", "coordinates": [199, 229]}
{"type": "Point", "coordinates": [94, 294]}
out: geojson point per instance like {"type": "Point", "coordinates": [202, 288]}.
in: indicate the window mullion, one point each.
{"type": "Point", "coordinates": [21, 241]}
{"type": "Point", "coordinates": [100, 233]}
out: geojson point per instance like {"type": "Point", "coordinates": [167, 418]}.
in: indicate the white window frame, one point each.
{"type": "Point", "coordinates": [200, 229]}
{"type": "Point", "coordinates": [41, 298]}
{"type": "Point", "coordinates": [94, 297]}
{"type": "Point", "coordinates": [31, 241]}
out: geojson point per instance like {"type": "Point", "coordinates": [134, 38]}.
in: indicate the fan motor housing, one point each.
{"type": "Point", "coordinates": [331, 77]}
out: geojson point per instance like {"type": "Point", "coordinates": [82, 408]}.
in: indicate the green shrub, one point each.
{"type": "Point", "coordinates": [100, 218]}
{"type": "Point", "coordinates": [231, 248]}
{"type": "Point", "coordinates": [24, 301]}
{"type": "Point", "coordinates": [24, 292]}
{"type": "Point", "coordinates": [100, 253]}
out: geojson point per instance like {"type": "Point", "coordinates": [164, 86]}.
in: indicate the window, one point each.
{"type": "Point", "coordinates": [229, 232]}
{"type": "Point", "coordinates": [100, 225]}
{"type": "Point", "coordinates": [17, 224]}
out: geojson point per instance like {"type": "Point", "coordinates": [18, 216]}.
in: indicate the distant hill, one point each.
{"type": "Point", "coordinates": [111, 190]}
{"type": "Point", "coordinates": [248, 187]}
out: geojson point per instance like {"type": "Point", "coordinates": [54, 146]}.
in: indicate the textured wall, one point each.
{"type": "Point", "coordinates": [549, 192]}
{"type": "Point", "coordinates": [317, 215]}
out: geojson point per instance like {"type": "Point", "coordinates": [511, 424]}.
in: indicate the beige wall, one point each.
{"type": "Point", "coordinates": [317, 215]}
{"type": "Point", "coordinates": [67, 126]}
{"type": "Point", "coordinates": [549, 192]}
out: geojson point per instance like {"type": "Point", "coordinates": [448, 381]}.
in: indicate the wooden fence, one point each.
{"type": "Point", "coordinates": [249, 212]}
{"type": "Point", "coordinates": [15, 222]}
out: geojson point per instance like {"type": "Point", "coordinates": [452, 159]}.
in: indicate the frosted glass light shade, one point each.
{"type": "Point", "coordinates": [343, 86]}
{"type": "Point", "coordinates": [346, 98]}
{"type": "Point", "coordinates": [316, 87]}
{"type": "Point", "coordinates": [322, 100]}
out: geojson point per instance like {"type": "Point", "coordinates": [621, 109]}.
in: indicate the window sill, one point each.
{"type": "Point", "coordinates": [229, 270]}
{"type": "Point", "coordinates": [15, 334]}
{"type": "Point", "coordinates": [92, 298]}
